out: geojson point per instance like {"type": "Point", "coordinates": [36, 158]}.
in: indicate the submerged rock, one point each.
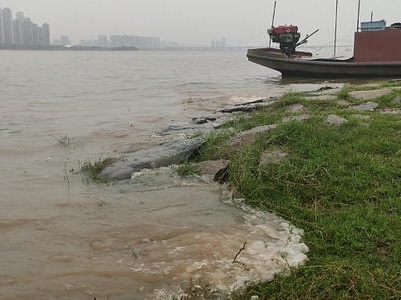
{"type": "Point", "coordinates": [203, 119]}
{"type": "Point", "coordinates": [180, 129]}
{"type": "Point", "coordinates": [248, 106]}
{"type": "Point", "coordinates": [242, 108]}
{"type": "Point", "coordinates": [163, 155]}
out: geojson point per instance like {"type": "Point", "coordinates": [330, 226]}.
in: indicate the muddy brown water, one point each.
{"type": "Point", "coordinates": [64, 237]}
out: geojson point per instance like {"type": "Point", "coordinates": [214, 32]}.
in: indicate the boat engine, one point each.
{"type": "Point", "coordinates": [286, 36]}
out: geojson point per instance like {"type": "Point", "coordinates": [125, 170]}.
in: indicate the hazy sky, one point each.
{"type": "Point", "coordinates": [197, 22]}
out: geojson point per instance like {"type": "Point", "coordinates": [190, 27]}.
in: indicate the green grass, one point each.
{"type": "Point", "coordinates": [93, 169]}
{"type": "Point", "coordinates": [186, 169]}
{"type": "Point", "coordinates": [341, 184]}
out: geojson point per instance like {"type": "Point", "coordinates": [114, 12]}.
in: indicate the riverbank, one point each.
{"type": "Point", "coordinates": [329, 163]}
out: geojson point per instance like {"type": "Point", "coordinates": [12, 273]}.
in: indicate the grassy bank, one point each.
{"type": "Point", "coordinates": [340, 183]}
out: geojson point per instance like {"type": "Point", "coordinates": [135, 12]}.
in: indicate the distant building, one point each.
{"type": "Point", "coordinates": [170, 44]}
{"type": "Point", "coordinates": [218, 44]}
{"type": "Point", "coordinates": [45, 34]}
{"type": "Point", "coordinates": [8, 27]}
{"type": "Point", "coordinates": [64, 40]}
{"type": "Point", "coordinates": [27, 32]}
{"type": "Point", "coordinates": [89, 43]}
{"type": "Point", "coordinates": [140, 42]}
{"type": "Point", "coordinates": [17, 29]}
{"type": "Point", "coordinates": [2, 33]}
{"type": "Point", "coordinates": [21, 31]}
{"type": "Point", "coordinates": [102, 41]}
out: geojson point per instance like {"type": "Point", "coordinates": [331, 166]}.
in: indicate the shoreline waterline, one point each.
{"type": "Point", "coordinates": [61, 110]}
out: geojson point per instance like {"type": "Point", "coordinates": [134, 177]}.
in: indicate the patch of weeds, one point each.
{"type": "Point", "coordinates": [93, 169]}
{"type": "Point", "coordinates": [267, 116]}
{"type": "Point", "coordinates": [202, 290]}
{"type": "Point", "coordinates": [103, 203]}
{"type": "Point", "coordinates": [63, 140]}
{"type": "Point", "coordinates": [387, 100]}
{"type": "Point", "coordinates": [215, 146]}
{"type": "Point", "coordinates": [288, 99]}
{"type": "Point", "coordinates": [137, 253]}
{"type": "Point", "coordinates": [344, 92]}
{"type": "Point", "coordinates": [392, 83]}
{"type": "Point", "coordinates": [187, 169]}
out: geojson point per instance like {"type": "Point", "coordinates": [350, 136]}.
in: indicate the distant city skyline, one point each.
{"type": "Point", "coordinates": [21, 31]}
{"type": "Point", "coordinates": [198, 22]}
{"type": "Point", "coordinates": [121, 41]}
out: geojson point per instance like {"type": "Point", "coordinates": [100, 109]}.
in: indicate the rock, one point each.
{"type": "Point", "coordinates": [251, 102]}
{"type": "Point", "coordinates": [335, 120]}
{"type": "Point", "coordinates": [216, 168]}
{"type": "Point", "coordinates": [329, 90]}
{"type": "Point", "coordinates": [220, 122]}
{"type": "Point", "coordinates": [174, 129]}
{"type": "Point", "coordinates": [199, 121]}
{"type": "Point", "coordinates": [296, 108]}
{"type": "Point", "coordinates": [322, 98]}
{"type": "Point", "coordinates": [239, 108]}
{"type": "Point", "coordinates": [325, 88]}
{"type": "Point", "coordinates": [187, 130]}
{"type": "Point", "coordinates": [391, 112]}
{"type": "Point", "coordinates": [299, 118]}
{"type": "Point", "coordinates": [370, 94]}
{"type": "Point", "coordinates": [247, 107]}
{"type": "Point", "coordinates": [203, 120]}
{"type": "Point", "coordinates": [160, 156]}
{"type": "Point", "coordinates": [272, 156]}
{"type": "Point", "coordinates": [343, 103]}
{"type": "Point", "coordinates": [258, 101]}
{"type": "Point", "coordinates": [368, 106]}
{"type": "Point", "coordinates": [248, 137]}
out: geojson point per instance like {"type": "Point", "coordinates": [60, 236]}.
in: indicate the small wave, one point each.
{"type": "Point", "coordinates": [193, 83]}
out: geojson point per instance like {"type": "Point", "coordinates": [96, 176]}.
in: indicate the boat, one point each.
{"type": "Point", "coordinates": [377, 53]}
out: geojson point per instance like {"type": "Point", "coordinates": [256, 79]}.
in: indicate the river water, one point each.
{"type": "Point", "coordinates": [64, 237]}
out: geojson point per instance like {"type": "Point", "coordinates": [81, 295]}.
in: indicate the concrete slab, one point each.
{"type": "Point", "coordinates": [369, 95]}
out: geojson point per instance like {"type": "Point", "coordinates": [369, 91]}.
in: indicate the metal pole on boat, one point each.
{"type": "Point", "coordinates": [335, 30]}
{"type": "Point", "coordinates": [274, 15]}
{"type": "Point", "coordinates": [359, 13]}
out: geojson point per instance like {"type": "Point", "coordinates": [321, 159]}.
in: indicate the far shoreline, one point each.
{"type": "Point", "coordinates": [104, 49]}
{"type": "Point", "coordinates": [63, 48]}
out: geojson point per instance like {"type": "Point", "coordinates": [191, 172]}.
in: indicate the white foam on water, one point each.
{"type": "Point", "coordinates": [255, 247]}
